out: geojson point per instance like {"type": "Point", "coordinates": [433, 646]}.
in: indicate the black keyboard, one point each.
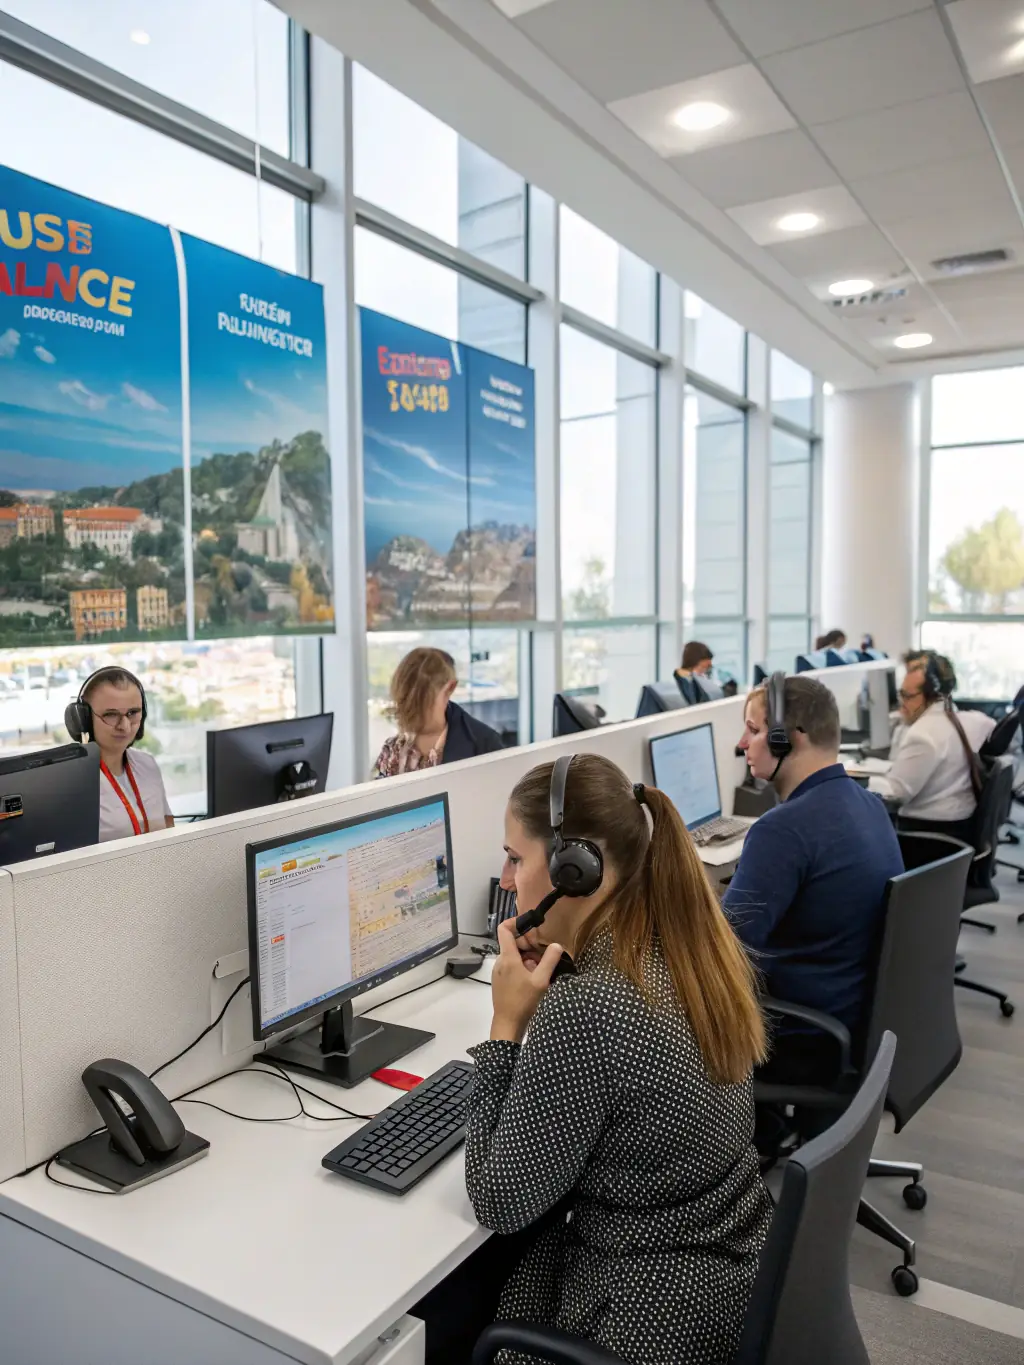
{"type": "Point", "coordinates": [408, 1138]}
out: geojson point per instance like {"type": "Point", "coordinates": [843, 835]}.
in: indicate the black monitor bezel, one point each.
{"type": "Point", "coordinates": [350, 992]}
{"type": "Point", "coordinates": [216, 738]}
{"type": "Point", "coordinates": [685, 729]}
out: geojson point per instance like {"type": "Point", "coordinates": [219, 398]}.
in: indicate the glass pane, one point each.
{"type": "Point", "coordinates": [410, 163]}
{"type": "Point", "coordinates": [789, 535]}
{"type": "Point", "coordinates": [976, 531]}
{"type": "Point", "coordinates": [714, 495]}
{"type": "Point", "coordinates": [727, 641]}
{"type": "Point", "coordinates": [987, 656]}
{"type": "Point", "coordinates": [792, 390]}
{"type": "Point", "coordinates": [226, 58]}
{"type": "Point", "coordinates": [394, 280]}
{"type": "Point", "coordinates": [716, 347]}
{"type": "Point", "coordinates": [787, 637]}
{"type": "Point", "coordinates": [606, 281]}
{"type": "Point", "coordinates": [610, 666]}
{"type": "Point", "coordinates": [607, 481]}
{"type": "Point", "coordinates": [189, 689]}
{"type": "Point", "coordinates": [986, 405]}
{"type": "Point", "coordinates": [81, 147]}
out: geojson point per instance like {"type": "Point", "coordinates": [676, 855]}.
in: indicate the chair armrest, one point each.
{"type": "Point", "coordinates": [827, 1023]}
{"type": "Point", "coordinates": [543, 1343]}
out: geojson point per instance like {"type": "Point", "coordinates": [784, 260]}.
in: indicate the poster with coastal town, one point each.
{"type": "Point", "coordinates": [94, 526]}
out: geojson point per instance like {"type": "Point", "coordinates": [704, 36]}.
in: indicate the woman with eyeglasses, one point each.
{"type": "Point", "coordinates": [111, 710]}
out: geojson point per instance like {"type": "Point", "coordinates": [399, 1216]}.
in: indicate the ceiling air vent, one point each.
{"type": "Point", "coordinates": [972, 261]}
{"type": "Point", "coordinates": [875, 298]}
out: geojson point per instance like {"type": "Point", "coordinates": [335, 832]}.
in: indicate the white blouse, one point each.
{"type": "Point", "coordinates": [115, 822]}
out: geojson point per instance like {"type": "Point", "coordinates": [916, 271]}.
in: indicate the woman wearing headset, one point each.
{"type": "Point", "coordinates": [111, 710]}
{"type": "Point", "coordinates": [627, 1110]}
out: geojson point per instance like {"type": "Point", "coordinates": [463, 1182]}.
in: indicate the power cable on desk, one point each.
{"type": "Point", "coordinates": [199, 1037]}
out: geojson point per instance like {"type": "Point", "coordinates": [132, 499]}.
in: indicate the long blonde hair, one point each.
{"type": "Point", "coordinates": [415, 683]}
{"type": "Point", "coordinates": [663, 901]}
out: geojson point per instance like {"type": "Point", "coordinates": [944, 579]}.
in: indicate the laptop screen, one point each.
{"type": "Point", "coordinates": [685, 770]}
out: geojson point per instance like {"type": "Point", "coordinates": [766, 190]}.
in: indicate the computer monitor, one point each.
{"type": "Point", "coordinates": [760, 674]}
{"type": "Point", "coordinates": [684, 768]}
{"type": "Point", "coordinates": [49, 802]}
{"type": "Point", "coordinates": [573, 714]}
{"type": "Point", "coordinates": [336, 911]}
{"type": "Point", "coordinates": [257, 765]}
{"type": "Point", "coordinates": [838, 657]}
{"type": "Point", "coordinates": [817, 658]}
{"type": "Point", "coordinates": [867, 656]}
{"type": "Point", "coordinates": [708, 689]}
{"type": "Point", "coordinates": [657, 697]}
{"type": "Point", "coordinates": [881, 687]}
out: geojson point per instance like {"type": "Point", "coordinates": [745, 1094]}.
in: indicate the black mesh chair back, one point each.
{"type": "Point", "coordinates": [993, 809]}
{"type": "Point", "coordinates": [1002, 736]}
{"type": "Point", "coordinates": [913, 995]}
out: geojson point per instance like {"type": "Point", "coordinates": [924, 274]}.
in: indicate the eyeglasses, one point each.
{"type": "Point", "coordinates": [114, 718]}
{"type": "Point", "coordinates": [909, 696]}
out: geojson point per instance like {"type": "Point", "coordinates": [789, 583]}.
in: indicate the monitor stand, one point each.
{"type": "Point", "coordinates": [349, 1048]}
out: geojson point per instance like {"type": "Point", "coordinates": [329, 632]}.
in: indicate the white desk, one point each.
{"type": "Point", "coordinates": [255, 1255]}
{"type": "Point", "coordinates": [721, 859]}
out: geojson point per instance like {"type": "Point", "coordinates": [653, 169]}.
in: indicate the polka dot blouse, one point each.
{"type": "Point", "coordinates": [607, 1112]}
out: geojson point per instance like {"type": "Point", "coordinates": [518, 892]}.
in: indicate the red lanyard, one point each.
{"type": "Point", "coordinates": [124, 800]}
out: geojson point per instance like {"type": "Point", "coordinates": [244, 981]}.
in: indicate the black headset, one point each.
{"type": "Point", "coordinates": [576, 867]}
{"type": "Point", "coordinates": [78, 715]}
{"type": "Point", "coordinates": [935, 686]}
{"type": "Point", "coordinates": [779, 742]}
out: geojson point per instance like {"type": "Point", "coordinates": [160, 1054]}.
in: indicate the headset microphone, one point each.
{"type": "Point", "coordinates": [533, 919]}
{"type": "Point", "coordinates": [576, 867]}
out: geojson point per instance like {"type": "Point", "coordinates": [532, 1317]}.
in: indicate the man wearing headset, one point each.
{"type": "Point", "coordinates": [807, 894]}
{"type": "Point", "coordinates": [935, 775]}
{"type": "Point", "coordinates": [111, 711]}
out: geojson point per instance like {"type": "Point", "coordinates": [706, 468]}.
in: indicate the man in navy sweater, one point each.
{"type": "Point", "coordinates": [807, 894]}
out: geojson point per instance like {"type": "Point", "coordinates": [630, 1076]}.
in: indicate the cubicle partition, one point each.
{"type": "Point", "coordinates": [131, 949]}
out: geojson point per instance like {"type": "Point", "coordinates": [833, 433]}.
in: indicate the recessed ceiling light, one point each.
{"type": "Point", "coordinates": [798, 222]}
{"type": "Point", "coordinates": [912, 341]}
{"type": "Point", "coordinates": [140, 36]}
{"type": "Point", "coordinates": [701, 116]}
{"type": "Point", "coordinates": [843, 289]}
{"type": "Point", "coordinates": [828, 389]}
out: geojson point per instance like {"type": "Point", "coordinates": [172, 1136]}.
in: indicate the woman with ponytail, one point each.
{"type": "Point", "coordinates": [616, 1091]}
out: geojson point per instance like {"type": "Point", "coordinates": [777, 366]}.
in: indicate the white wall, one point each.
{"type": "Point", "coordinates": [869, 536]}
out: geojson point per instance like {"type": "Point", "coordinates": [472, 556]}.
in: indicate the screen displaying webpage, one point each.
{"type": "Point", "coordinates": [684, 769]}
{"type": "Point", "coordinates": [337, 908]}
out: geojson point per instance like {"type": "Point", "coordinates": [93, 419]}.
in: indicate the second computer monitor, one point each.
{"type": "Point", "coordinates": [657, 697]}
{"type": "Point", "coordinates": [336, 911]}
{"type": "Point", "coordinates": [257, 765]}
{"type": "Point", "coordinates": [49, 802]}
{"type": "Point", "coordinates": [685, 769]}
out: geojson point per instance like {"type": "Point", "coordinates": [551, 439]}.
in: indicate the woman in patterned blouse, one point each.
{"type": "Point", "coordinates": [619, 1094]}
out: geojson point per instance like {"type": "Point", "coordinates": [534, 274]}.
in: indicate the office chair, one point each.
{"type": "Point", "coordinates": [994, 803]}
{"type": "Point", "coordinates": [911, 997]}
{"type": "Point", "coordinates": [799, 1312]}
{"type": "Point", "coordinates": [998, 744]}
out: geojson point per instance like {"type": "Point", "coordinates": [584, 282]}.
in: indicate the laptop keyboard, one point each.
{"type": "Point", "coordinates": [719, 830]}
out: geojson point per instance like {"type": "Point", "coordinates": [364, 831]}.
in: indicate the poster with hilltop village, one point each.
{"type": "Point", "coordinates": [449, 481]}
{"type": "Point", "coordinates": [92, 440]}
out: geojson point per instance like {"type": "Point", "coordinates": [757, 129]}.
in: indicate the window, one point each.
{"type": "Point", "coordinates": [714, 529]}
{"type": "Point", "coordinates": [606, 281]}
{"type": "Point", "coordinates": [609, 666]}
{"type": "Point", "coordinates": [607, 481]}
{"type": "Point", "coordinates": [978, 408]}
{"type": "Point", "coordinates": [189, 689]}
{"type": "Point", "coordinates": [792, 391]}
{"type": "Point", "coordinates": [416, 167]}
{"type": "Point", "coordinates": [394, 280]}
{"type": "Point", "coordinates": [715, 346]}
{"type": "Point", "coordinates": [987, 655]}
{"type": "Point", "coordinates": [85, 148]}
{"type": "Point", "coordinates": [228, 59]}
{"type": "Point", "coordinates": [789, 547]}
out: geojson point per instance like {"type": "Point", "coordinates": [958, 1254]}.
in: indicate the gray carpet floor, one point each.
{"type": "Point", "coordinates": [897, 1333]}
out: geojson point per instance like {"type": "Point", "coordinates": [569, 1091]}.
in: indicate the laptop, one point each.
{"type": "Point", "coordinates": [685, 769]}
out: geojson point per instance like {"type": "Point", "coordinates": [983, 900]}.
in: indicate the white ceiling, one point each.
{"type": "Point", "coordinates": [899, 122]}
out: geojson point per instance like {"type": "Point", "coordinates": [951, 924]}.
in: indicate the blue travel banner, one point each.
{"type": "Point", "coordinates": [260, 468]}
{"type": "Point", "coordinates": [502, 490]}
{"type": "Point", "coordinates": [91, 468]}
{"type": "Point", "coordinates": [449, 482]}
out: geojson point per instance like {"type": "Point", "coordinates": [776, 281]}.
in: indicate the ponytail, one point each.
{"type": "Point", "coordinates": [973, 762]}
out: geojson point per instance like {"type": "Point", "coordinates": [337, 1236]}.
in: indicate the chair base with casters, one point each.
{"type": "Point", "coordinates": [1006, 1005]}
{"type": "Point", "coordinates": [978, 923]}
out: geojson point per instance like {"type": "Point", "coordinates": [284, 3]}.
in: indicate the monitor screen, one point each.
{"type": "Point", "coordinates": [337, 910]}
{"type": "Point", "coordinates": [685, 770]}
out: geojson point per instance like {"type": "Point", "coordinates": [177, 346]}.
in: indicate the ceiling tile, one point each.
{"type": "Point", "coordinates": [766, 28]}
{"type": "Point", "coordinates": [1003, 103]}
{"type": "Point", "coordinates": [753, 105]}
{"type": "Point", "coordinates": [923, 240]}
{"type": "Point", "coordinates": [762, 168]}
{"type": "Point", "coordinates": [935, 129]}
{"type": "Point", "coordinates": [841, 255]}
{"type": "Point", "coordinates": [513, 8]}
{"type": "Point", "coordinates": [874, 68]}
{"type": "Point", "coordinates": [834, 205]}
{"type": "Point", "coordinates": [623, 47]}
{"type": "Point", "coordinates": [991, 36]}
{"type": "Point", "coordinates": [943, 187]}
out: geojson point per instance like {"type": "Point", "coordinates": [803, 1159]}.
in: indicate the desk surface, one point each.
{"type": "Point", "coordinates": [258, 1235]}
{"type": "Point", "coordinates": [866, 767]}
